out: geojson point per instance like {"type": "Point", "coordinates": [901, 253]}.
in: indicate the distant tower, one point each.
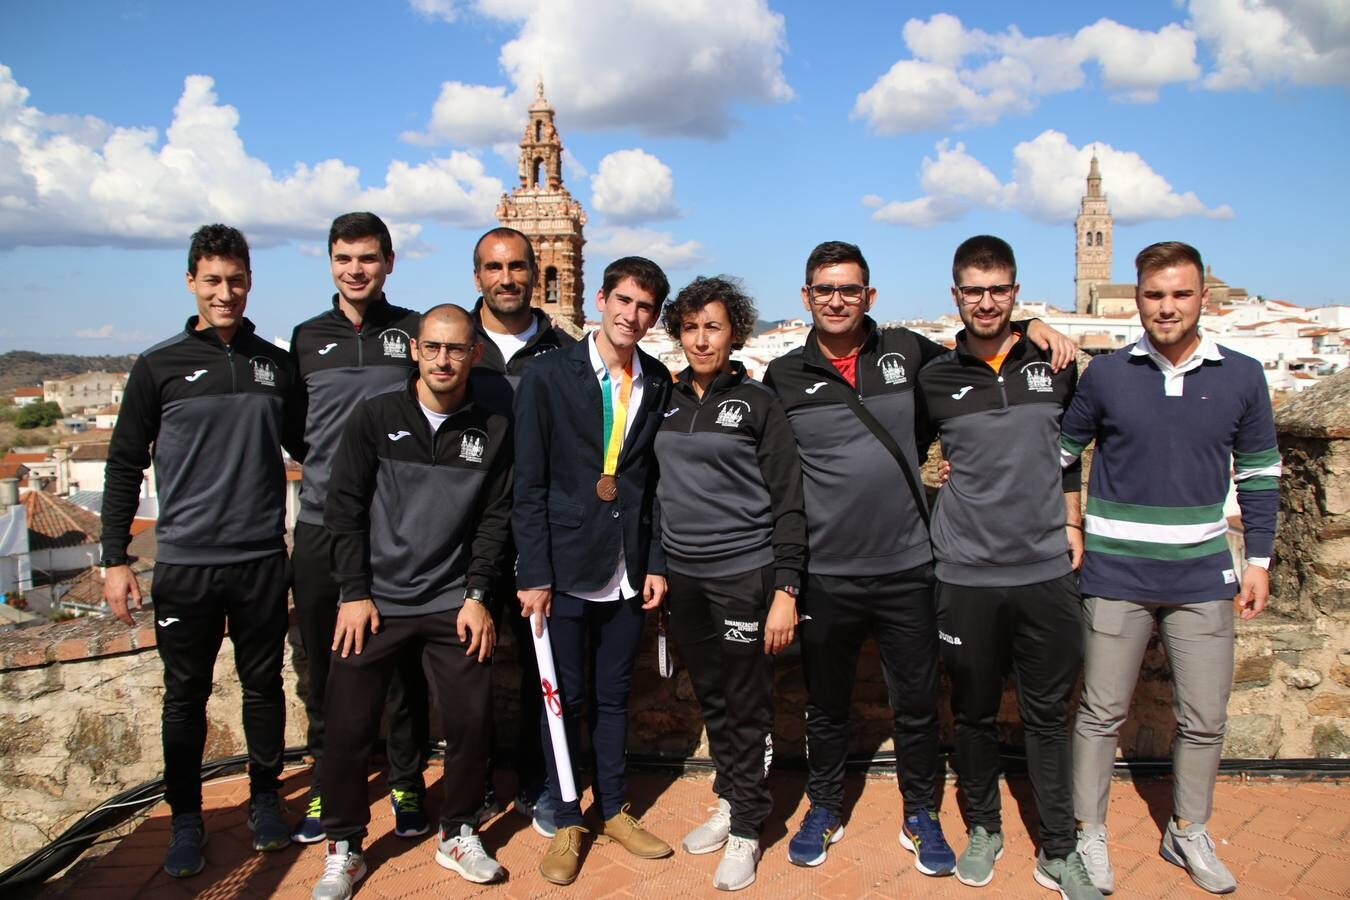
{"type": "Point", "coordinates": [1092, 230]}
{"type": "Point", "coordinates": [543, 210]}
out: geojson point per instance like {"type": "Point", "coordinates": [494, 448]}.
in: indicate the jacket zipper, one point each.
{"type": "Point", "coordinates": [229, 360]}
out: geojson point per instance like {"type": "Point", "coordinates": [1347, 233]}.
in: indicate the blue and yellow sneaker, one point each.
{"type": "Point", "coordinates": [309, 830]}
{"type": "Point", "coordinates": [921, 835]}
{"type": "Point", "coordinates": [410, 818]}
{"type": "Point", "coordinates": [819, 830]}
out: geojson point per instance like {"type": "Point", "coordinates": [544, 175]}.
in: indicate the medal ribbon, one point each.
{"type": "Point", "coordinates": [616, 416]}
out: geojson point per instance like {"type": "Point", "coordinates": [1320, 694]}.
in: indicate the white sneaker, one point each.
{"type": "Point", "coordinates": [1091, 849]}
{"type": "Point", "coordinates": [343, 867]}
{"type": "Point", "coordinates": [1193, 850]}
{"type": "Point", "coordinates": [464, 854]}
{"type": "Point", "coordinates": [712, 834]}
{"type": "Point", "coordinates": [737, 868]}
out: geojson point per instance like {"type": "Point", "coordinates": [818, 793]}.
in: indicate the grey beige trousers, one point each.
{"type": "Point", "coordinates": [1198, 640]}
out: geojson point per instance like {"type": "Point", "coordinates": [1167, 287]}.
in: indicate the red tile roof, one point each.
{"type": "Point", "coordinates": [53, 522]}
{"type": "Point", "coordinates": [28, 391]}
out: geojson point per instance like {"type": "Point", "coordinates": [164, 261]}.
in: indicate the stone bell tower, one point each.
{"type": "Point", "coordinates": [541, 208]}
{"type": "Point", "coordinates": [1092, 229]}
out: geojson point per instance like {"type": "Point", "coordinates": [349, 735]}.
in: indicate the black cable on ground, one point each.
{"type": "Point", "coordinates": [30, 872]}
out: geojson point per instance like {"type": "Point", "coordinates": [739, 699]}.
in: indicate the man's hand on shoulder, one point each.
{"type": "Point", "coordinates": [121, 591]}
{"type": "Point", "coordinates": [354, 617]}
{"type": "Point", "coordinates": [1251, 600]}
{"type": "Point", "coordinates": [1062, 350]}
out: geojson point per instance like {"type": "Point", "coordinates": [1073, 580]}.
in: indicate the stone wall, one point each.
{"type": "Point", "coordinates": [79, 701]}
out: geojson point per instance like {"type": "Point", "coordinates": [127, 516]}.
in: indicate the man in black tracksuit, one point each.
{"type": "Point", "coordinates": [870, 563]}
{"type": "Point", "coordinates": [512, 334]}
{"type": "Point", "coordinates": [356, 349]}
{"type": "Point", "coordinates": [1007, 594]}
{"type": "Point", "coordinates": [419, 508]}
{"type": "Point", "coordinates": [210, 403]}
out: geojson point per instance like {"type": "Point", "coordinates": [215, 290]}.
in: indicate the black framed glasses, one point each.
{"type": "Point", "coordinates": [432, 350]}
{"type": "Point", "coordinates": [851, 294]}
{"type": "Point", "coordinates": [999, 293]}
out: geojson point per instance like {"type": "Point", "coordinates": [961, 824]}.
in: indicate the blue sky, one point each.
{"type": "Point", "coordinates": [717, 136]}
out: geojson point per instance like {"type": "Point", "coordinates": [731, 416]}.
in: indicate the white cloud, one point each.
{"type": "Point", "coordinates": [443, 10]}
{"type": "Point", "coordinates": [1259, 41]}
{"type": "Point", "coordinates": [473, 114]}
{"type": "Point", "coordinates": [633, 186]}
{"type": "Point", "coordinates": [109, 332]}
{"type": "Point", "coordinates": [81, 181]}
{"type": "Point", "coordinates": [664, 68]}
{"type": "Point", "coordinates": [1048, 181]}
{"type": "Point", "coordinates": [611, 242]}
{"type": "Point", "coordinates": [960, 77]}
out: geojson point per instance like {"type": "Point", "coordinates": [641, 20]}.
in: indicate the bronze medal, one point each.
{"type": "Point", "coordinates": [607, 488]}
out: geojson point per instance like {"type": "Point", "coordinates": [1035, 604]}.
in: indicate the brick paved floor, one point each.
{"type": "Point", "coordinates": [1282, 839]}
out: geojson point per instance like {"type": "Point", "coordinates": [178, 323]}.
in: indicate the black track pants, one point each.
{"type": "Point", "coordinates": [316, 606]}
{"type": "Point", "coordinates": [1037, 631]}
{"type": "Point", "coordinates": [193, 605]}
{"type": "Point", "coordinates": [357, 686]}
{"type": "Point", "coordinates": [718, 624]}
{"type": "Point", "coordinates": [837, 615]}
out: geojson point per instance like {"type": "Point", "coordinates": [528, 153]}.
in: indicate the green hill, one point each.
{"type": "Point", "coordinates": [21, 368]}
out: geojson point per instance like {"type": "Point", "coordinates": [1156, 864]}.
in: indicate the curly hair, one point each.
{"type": "Point", "coordinates": [704, 290]}
{"type": "Point", "coordinates": [217, 240]}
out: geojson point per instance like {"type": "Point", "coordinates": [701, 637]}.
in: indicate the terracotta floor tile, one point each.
{"type": "Point", "coordinates": [1329, 874]}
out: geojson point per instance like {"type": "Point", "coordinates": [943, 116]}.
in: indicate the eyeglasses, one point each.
{"type": "Point", "coordinates": [851, 294]}
{"type": "Point", "coordinates": [432, 350]}
{"type": "Point", "coordinates": [999, 293]}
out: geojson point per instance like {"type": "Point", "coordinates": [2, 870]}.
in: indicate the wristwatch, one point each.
{"type": "Point", "coordinates": [790, 589]}
{"type": "Point", "coordinates": [108, 562]}
{"type": "Point", "coordinates": [477, 595]}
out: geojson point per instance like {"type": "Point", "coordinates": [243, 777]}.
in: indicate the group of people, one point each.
{"type": "Point", "coordinates": [466, 468]}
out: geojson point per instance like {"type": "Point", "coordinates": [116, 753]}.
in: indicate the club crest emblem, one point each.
{"type": "Point", "coordinates": [892, 368]}
{"type": "Point", "coordinates": [264, 371]}
{"type": "Point", "coordinates": [472, 445]}
{"type": "Point", "coordinates": [394, 343]}
{"type": "Point", "coordinates": [731, 412]}
{"type": "Point", "coordinates": [1039, 377]}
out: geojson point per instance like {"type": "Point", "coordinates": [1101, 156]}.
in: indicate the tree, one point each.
{"type": "Point", "coordinates": [37, 415]}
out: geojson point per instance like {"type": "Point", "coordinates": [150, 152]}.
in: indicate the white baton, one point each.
{"type": "Point", "coordinates": [548, 684]}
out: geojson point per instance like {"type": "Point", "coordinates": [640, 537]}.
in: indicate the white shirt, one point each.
{"type": "Point", "coordinates": [618, 586]}
{"type": "Point", "coordinates": [1174, 380]}
{"type": "Point", "coordinates": [434, 419]}
{"type": "Point", "coordinates": [510, 344]}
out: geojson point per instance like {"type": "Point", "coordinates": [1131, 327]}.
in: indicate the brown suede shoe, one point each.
{"type": "Point", "coordinates": [562, 862]}
{"type": "Point", "coordinates": [625, 830]}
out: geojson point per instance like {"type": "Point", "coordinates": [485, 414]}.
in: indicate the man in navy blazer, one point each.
{"type": "Point", "coordinates": [586, 418]}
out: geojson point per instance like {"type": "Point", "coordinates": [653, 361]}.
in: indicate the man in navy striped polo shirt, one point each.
{"type": "Point", "coordinates": [1176, 418]}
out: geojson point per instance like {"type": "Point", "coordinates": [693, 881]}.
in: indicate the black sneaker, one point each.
{"type": "Point", "coordinates": [410, 817]}
{"type": "Point", "coordinates": [184, 858]}
{"type": "Point", "coordinates": [270, 831]}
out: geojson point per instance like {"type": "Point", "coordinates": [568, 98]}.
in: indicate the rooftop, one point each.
{"type": "Point", "coordinates": [1281, 839]}
{"type": "Point", "coordinates": [54, 522]}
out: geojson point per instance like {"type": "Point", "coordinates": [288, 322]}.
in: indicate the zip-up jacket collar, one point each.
{"type": "Point", "coordinates": [378, 312]}
{"type": "Point", "coordinates": [546, 337]}
{"type": "Point", "coordinates": [812, 355]}
{"type": "Point", "coordinates": [724, 381]}
{"type": "Point", "coordinates": [211, 336]}
{"type": "Point", "coordinates": [1015, 353]}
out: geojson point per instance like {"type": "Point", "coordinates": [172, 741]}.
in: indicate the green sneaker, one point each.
{"type": "Point", "coordinates": [1067, 875]}
{"type": "Point", "coordinates": [976, 864]}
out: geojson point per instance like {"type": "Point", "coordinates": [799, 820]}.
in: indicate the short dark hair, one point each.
{"type": "Point", "coordinates": [833, 253]}
{"type": "Point", "coordinates": [1165, 255]}
{"type": "Point", "coordinates": [447, 311]}
{"type": "Point", "coordinates": [704, 290]}
{"type": "Point", "coordinates": [646, 273]}
{"type": "Point", "coordinates": [983, 251]}
{"type": "Point", "coordinates": [503, 232]}
{"type": "Point", "coordinates": [217, 240]}
{"type": "Point", "coordinates": [353, 226]}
